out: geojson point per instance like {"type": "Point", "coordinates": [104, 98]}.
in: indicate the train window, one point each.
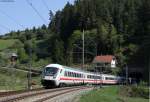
{"type": "Point", "coordinates": [71, 74]}
{"type": "Point", "coordinates": [68, 73]}
{"type": "Point", "coordinates": [98, 77]}
{"type": "Point", "coordinates": [89, 76]}
{"type": "Point", "coordinates": [65, 73]}
{"type": "Point", "coordinates": [93, 77]}
{"type": "Point", "coordinates": [79, 75]}
{"type": "Point", "coordinates": [75, 74]}
{"type": "Point", "coordinates": [109, 78]}
{"type": "Point", "coordinates": [50, 71]}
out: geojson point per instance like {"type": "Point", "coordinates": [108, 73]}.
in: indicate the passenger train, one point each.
{"type": "Point", "coordinates": [54, 75]}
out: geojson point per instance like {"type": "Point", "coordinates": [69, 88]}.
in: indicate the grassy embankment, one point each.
{"type": "Point", "coordinates": [109, 94]}
{"type": "Point", "coordinates": [6, 43]}
{"type": "Point", "coordinates": [11, 79]}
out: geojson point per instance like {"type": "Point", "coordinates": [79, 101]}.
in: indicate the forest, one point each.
{"type": "Point", "coordinates": [111, 27]}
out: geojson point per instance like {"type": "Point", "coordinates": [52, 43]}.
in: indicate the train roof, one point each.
{"type": "Point", "coordinates": [54, 65]}
{"type": "Point", "coordinates": [108, 75]}
{"type": "Point", "coordinates": [76, 69]}
{"type": "Point", "coordinates": [67, 67]}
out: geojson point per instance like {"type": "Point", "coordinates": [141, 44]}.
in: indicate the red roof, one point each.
{"type": "Point", "coordinates": [104, 58]}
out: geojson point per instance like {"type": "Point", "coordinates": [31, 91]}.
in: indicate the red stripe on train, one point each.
{"type": "Point", "coordinates": [87, 80]}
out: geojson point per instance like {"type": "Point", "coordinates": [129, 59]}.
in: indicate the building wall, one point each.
{"type": "Point", "coordinates": [113, 63]}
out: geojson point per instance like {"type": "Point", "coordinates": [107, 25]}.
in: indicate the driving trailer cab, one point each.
{"type": "Point", "coordinates": [50, 75]}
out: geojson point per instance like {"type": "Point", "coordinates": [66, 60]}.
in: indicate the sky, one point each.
{"type": "Point", "coordinates": [19, 14]}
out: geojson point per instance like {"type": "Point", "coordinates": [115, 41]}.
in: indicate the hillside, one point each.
{"type": "Point", "coordinates": [13, 79]}
{"type": "Point", "coordinates": [4, 44]}
{"type": "Point", "coordinates": [111, 27]}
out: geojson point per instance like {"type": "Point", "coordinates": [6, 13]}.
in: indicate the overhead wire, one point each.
{"type": "Point", "coordinates": [46, 6]}
{"type": "Point", "coordinates": [11, 18]}
{"type": "Point", "coordinates": [2, 26]}
{"type": "Point", "coordinates": [36, 11]}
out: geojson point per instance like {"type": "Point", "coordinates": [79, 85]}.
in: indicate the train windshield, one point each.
{"type": "Point", "coordinates": [50, 71]}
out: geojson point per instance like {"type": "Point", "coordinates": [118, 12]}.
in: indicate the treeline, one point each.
{"type": "Point", "coordinates": [117, 27]}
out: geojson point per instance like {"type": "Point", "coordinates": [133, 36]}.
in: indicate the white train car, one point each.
{"type": "Point", "coordinates": [58, 75]}
{"type": "Point", "coordinates": [55, 75]}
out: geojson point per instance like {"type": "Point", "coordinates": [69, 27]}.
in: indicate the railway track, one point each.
{"type": "Point", "coordinates": [39, 95]}
{"type": "Point", "coordinates": [8, 93]}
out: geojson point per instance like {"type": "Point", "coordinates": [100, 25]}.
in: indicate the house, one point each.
{"type": "Point", "coordinates": [108, 61]}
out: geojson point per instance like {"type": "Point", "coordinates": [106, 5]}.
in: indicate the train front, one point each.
{"type": "Point", "coordinates": [49, 76]}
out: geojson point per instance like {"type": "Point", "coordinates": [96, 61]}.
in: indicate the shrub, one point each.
{"type": "Point", "coordinates": [140, 91]}
{"type": "Point", "coordinates": [134, 91]}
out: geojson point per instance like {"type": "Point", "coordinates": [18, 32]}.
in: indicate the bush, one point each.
{"type": "Point", "coordinates": [140, 91]}
{"type": "Point", "coordinates": [134, 91]}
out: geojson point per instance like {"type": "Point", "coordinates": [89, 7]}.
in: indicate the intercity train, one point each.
{"type": "Point", "coordinates": [55, 75]}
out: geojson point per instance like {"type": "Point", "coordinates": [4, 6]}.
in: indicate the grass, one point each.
{"type": "Point", "coordinates": [137, 99]}
{"type": "Point", "coordinates": [6, 43]}
{"type": "Point", "coordinates": [15, 80]}
{"type": "Point", "coordinates": [109, 94]}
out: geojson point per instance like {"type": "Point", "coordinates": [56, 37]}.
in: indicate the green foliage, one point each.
{"type": "Point", "coordinates": [4, 44]}
{"type": "Point", "coordinates": [108, 94]}
{"type": "Point", "coordinates": [13, 79]}
{"type": "Point", "coordinates": [41, 63]}
{"type": "Point", "coordinates": [57, 51]}
{"type": "Point", "coordinates": [115, 71]}
{"type": "Point", "coordinates": [105, 95]}
{"type": "Point", "coordinates": [117, 28]}
{"type": "Point", "coordinates": [23, 57]}
{"type": "Point", "coordinates": [3, 60]}
{"type": "Point", "coordinates": [135, 91]}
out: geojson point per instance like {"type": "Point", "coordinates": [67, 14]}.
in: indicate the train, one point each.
{"type": "Point", "coordinates": [56, 75]}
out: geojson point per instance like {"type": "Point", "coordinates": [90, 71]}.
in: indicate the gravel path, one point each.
{"type": "Point", "coordinates": [69, 97]}
{"type": "Point", "coordinates": [69, 94]}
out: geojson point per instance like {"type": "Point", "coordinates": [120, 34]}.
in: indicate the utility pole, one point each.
{"type": "Point", "coordinates": [126, 74]}
{"type": "Point", "coordinates": [13, 59]}
{"type": "Point", "coordinates": [83, 50]}
{"type": "Point", "coordinates": [101, 83]}
{"type": "Point", "coordinates": [29, 72]}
